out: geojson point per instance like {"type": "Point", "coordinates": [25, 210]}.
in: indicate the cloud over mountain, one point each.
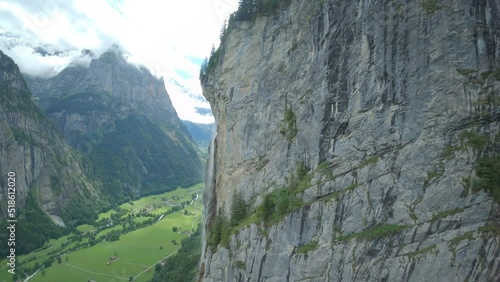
{"type": "Point", "coordinates": [170, 38]}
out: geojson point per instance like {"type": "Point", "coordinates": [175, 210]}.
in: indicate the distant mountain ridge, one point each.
{"type": "Point", "coordinates": [201, 133]}
{"type": "Point", "coordinates": [53, 183]}
{"type": "Point", "coordinates": [120, 116]}
{"type": "Point", "coordinates": [110, 74]}
{"type": "Point", "coordinates": [126, 141]}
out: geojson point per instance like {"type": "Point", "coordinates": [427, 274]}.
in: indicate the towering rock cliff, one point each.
{"type": "Point", "coordinates": [120, 116]}
{"type": "Point", "coordinates": [49, 175]}
{"type": "Point", "coordinates": [110, 74]}
{"type": "Point", "coordinates": [364, 135]}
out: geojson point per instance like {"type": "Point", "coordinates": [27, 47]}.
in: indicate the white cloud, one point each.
{"type": "Point", "coordinates": [162, 35]}
{"type": "Point", "coordinates": [43, 66]}
{"type": "Point", "coordinates": [188, 103]}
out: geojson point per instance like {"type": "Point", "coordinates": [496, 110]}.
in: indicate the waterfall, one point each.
{"type": "Point", "coordinates": [208, 196]}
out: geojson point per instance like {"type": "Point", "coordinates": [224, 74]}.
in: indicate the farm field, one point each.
{"type": "Point", "coordinates": [136, 236]}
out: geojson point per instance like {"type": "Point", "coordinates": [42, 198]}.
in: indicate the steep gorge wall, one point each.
{"type": "Point", "coordinates": [44, 164]}
{"type": "Point", "coordinates": [390, 105]}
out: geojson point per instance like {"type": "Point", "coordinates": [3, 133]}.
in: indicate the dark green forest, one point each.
{"type": "Point", "coordinates": [33, 228]}
{"type": "Point", "coordinates": [138, 154]}
{"type": "Point", "coordinates": [132, 156]}
{"type": "Point", "coordinates": [182, 266]}
{"type": "Point", "coordinates": [250, 9]}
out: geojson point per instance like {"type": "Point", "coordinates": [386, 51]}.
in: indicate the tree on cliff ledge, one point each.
{"type": "Point", "coordinates": [247, 10]}
{"type": "Point", "coordinates": [250, 9]}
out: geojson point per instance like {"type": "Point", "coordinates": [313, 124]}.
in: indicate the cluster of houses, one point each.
{"type": "Point", "coordinates": [156, 205]}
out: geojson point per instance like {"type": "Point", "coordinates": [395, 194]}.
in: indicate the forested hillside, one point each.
{"type": "Point", "coordinates": [121, 119]}
{"type": "Point", "coordinates": [54, 187]}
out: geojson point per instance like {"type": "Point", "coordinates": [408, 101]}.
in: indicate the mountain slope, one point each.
{"type": "Point", "coordinates": [50, 178]}
{"type": "Point", "coordinates": [201, 133]}
{"type": "Point", "coordinates": [121, 118]}
{"type": "Point", "coordinates": [363, 137]}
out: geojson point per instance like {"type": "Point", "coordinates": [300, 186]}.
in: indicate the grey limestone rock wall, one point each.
{"type": "Point", "coordinates": [32, 148]}
{"type": "Point", "coordinates": [387, 97]}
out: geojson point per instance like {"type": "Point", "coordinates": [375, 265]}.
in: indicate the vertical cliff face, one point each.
{"type": "Point", "coordinates": [48, 172]}
{"type": "Point", "coordinates": [392, 108]}
{"type": "Point", "coordinates": [133, 87]}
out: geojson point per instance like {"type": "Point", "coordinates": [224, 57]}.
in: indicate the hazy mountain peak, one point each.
{"type": "Point", "coordinates": [113, 54]}
{"type": "Point", "coordinates": [88, 52]}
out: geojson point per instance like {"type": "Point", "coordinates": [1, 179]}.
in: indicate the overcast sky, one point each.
{"type": "Point", "coordinates": [169, 37]}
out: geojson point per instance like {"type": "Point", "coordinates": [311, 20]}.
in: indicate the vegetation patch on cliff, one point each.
{"type": "Point", "coordinates": [274, 207]}
{"type": "Point", "coordinates": [492, 228]}
{"type": "Point", "coordinates": [277, 205]}
{"type": "Point", "coordinates": [288, 128]}
{"type": "Point", "coordinates": [445, 214]}
{"type": "Point", "coordinates": [380, 231]}
{"type": "Point", "coordinates": [249, 10]}
{"type": "Point", "coordinates": [369, 161]}
{"type": "Point", "coordinates": [22, 137]}
{"type": "Point", "coordinates": [466, 236]}
{"type": "Point", "coordinates": [488, 172]}
{"type": "Point", "coordinates": [304, 249]}
{"type": "Point", "coordinates": [239, 264]}
{"type": "Point", "coordinates": [487, 164]}
{"type": "Point", "coordinates": [422, 251]}
{"type": "Point", "coordinates": [430, 6]}
{"type": "Point", "coordinates": [474, 140]}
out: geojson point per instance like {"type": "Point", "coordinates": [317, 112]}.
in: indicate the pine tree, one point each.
{"type": "Point", "coordinates": [268, 207]}
{"type": "Point", "coordinates": [204, 70]}
{"type": "Point", "coordinates": [238, 209]}
{"type": "Point", "coordinates": [212, 51]}
{"type": "Point", "coordinates": [219, 230]}
{"type": "Point", "coordinates": [247, 10]}
{"type": "Point", "coordinates": [223, 31]}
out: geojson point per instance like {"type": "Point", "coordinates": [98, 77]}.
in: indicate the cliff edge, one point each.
{"type": "Point", "coordinates": [363, 138]}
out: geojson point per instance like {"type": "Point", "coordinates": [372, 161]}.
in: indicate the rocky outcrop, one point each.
{"type": "Point", "coordinates": [110, 74]}
{"type": "Point", "coordinates": [32, 148]}
{"type": "Point", "coordinates": [392, 108]}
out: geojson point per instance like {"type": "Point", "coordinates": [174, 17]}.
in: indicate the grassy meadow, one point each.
{"type": "Point", "coordinates": [144, 241]}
